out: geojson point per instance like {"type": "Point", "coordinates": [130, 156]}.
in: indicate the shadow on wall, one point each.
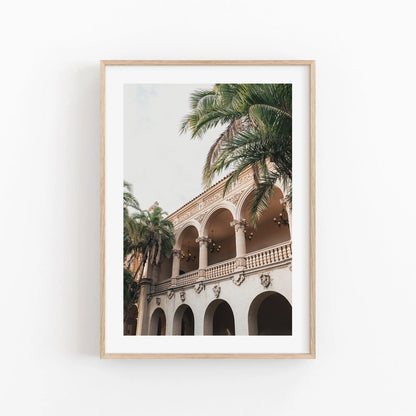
{"type": "Point", "coordinates": [81, 89]}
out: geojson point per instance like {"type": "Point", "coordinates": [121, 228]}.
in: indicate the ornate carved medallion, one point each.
{"type": "Point", "coordinates": [265, 280]}
{"type": "Point", "coordinates": [217, 290]}
{"type": "Point", "coordinates": [170, 294]}
{"type": "Point", "coordinates": [182, 296]}
{"type": "Point", "coordinates": [157, 301]}
{"type": "Point", "coordinates": [238, 279]}
{"type": "Point", "coordinates": [199, 287]}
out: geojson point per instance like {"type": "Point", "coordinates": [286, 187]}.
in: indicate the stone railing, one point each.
{"type": "Point", "coordinates": [263, 257]}
{"type": "Point", "coordinates": [269, 255]}
{"type": "Point", "coordinates": [187, 278]}
{"type": "Point", "coordinates": [220, 269]}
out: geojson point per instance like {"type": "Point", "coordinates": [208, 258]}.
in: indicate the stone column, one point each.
{"type": "Point", "coordinates": [176, 265]}
{"type": "Point", "coordinates": [203, 255]}
{"type": "Point", "coordinates": [142, 318]}
{"type": "Point", "coordinates": [240, 243]}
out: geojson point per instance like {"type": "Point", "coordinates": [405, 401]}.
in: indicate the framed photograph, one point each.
{"type": "Point", "coordinates": [207, 209]}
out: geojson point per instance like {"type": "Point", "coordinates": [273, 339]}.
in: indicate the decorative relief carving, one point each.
{"type": "Point", "coordinates": [216, 197]}
{"type": "Point", "coordinates": [170, 294]}
{"type": "Point", "coordinates": [238, 279]}
{"type": "Point", "coordinates": [234, 198]}
{"type": "Point", "coordinates": [239, 224]}
{"type": "Point", "coordinates": [201, 273]}
{"type": "Point", "coordinates": [213, 198]}
{"type": "Point", "coordinates": [182, 296]}
{"type": "Point", "coordinates": [149, 297]}
{"type": "Point", "coordinates": [199, 218]}
{"type": "Point", "coordinates": [265, 280]}
{"type": "Point", "coordinates": [240, 262]}
{"type": "Point", "coordinates": [199, 287]}
{"type": "Point", "coordinates": [217, 290]}
{"type": "Point", "coordinates": [157, 301]}
{"type": "Point", "coordinates": [203, 241]}
{"type": "Point", "coordinates": [176, 253]}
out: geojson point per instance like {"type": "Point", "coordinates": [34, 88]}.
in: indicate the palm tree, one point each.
{"type": "Point", "coordinates": [258, 134]}
{"type": "Point", "coordinates": [156, 237]}
{"type": "Point", "coordinates": [130, 234]}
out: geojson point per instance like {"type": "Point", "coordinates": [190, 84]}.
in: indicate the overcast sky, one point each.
{"type": "Point", "coordinates": [161, 164]}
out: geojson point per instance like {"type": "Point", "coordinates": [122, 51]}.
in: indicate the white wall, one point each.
{"type": "Point", "coordinates": [49, 308]}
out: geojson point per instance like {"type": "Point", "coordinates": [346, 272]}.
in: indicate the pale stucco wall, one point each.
{"type": "Point", "coordinates": [238, 297]}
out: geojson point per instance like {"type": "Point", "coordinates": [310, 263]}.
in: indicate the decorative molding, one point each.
{"type": "Point", "coordinates": [201, 273]}
{"type": "Point", "coordinates": [199, 218]}
{"type": "Point", "coordinates": [170, 294]}
{"type": "Point", "coordinates": [234, 198]}
{"type": "Point", "coordinates": [238, 279]}
{"type": "Point", "coordinates": [157, 301]}
{"type": "Point", "coordinates": [203, 240]}
{"type": "Point", "coordinates": [199, 287]}
{"type": "Point", "coordinates": [176, 253]}
{"type": "Point", "coordinates": [240, 262]}
{"type": "Point", "coordinates": [200, 203]}
{"type": "Point", "coordinates": [217, 290]}
{"type": "Point", "coordinates": [239, 224]}
{"type": "Point", "coordinates": [265, 280]}
{"type": "Point", "coordinates": [182, 296]}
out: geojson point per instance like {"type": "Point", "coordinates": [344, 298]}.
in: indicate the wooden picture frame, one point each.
{"type": "Point", "coordinates": [309, 66]}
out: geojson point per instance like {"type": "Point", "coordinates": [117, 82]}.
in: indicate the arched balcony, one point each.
{"type": "Point", "coordinates": [189, 250]}
{"type": "Point", "coordinates": [225, 242]}
{"type": "Point", "coordinates": [221, 236]}
{"type": "Point", "coordinates": [272, 227]}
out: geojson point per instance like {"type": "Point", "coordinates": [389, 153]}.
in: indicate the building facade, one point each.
{"type": "Point", "coordinates": [225, 277]}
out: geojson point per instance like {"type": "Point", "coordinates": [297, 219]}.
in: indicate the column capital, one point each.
{"type": "Point", "coordinates": [176, 253]}
{"type": "Point", "coordinates": [239, 224]}
{"type": "Point", "coordinates": [203, 241]}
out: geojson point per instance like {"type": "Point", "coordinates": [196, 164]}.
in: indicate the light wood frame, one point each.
{"type": "Point", "coordinates": [312, 277]}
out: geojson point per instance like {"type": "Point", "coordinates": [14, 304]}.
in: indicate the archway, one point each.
{"type": "Point", "coordinates": [189, 260]}
{"type": "Point", "coordinates": [158, 323]}
{"type": "Point", "coordinates": [131, 321]}
{"type": "Point", "coordinates": [222, 235]}
{"type": "Point", "coordinates": [272, 227]}
{"type": "Point", "coordinates": [270, 313]}
{"type": "Point", "coordinates": [183, 321]}
{"type": "Point", "coordinates": [219, 319]}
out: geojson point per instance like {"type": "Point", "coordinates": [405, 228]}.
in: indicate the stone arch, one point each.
{"type": "Point", "coordinates": [245, 195]}
{"type": "Point", "coordinates": [270, 313]}
{"type": "Point", "coordinates": [272, 228]}
{"type": "Point", "coordinates": [241, 201]}
{"type": "Point", "coordinates": [217, 227]}
{"type": "Point", "coordinates": [158, 322]}
{"type": "Point", "coordinates": [222, 205]}
{"type": "Point", "coordinates": [219, 318]}
{"type": "Point", "coordinates": [183, 321]}
{"type": "Point", "coordinates": [179, 232]}
{"type": "Point", "coordinates": [187, 244]}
